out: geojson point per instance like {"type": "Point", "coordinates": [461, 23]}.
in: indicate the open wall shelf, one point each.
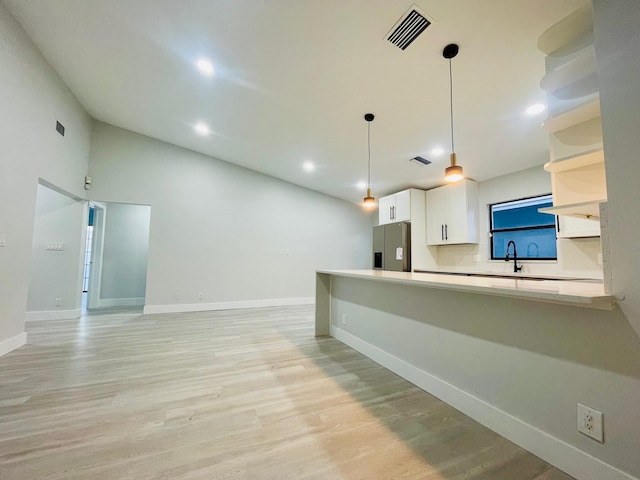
{"type": "Point", "coordinates": [589, 210]}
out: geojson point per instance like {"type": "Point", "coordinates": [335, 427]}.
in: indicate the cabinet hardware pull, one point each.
{"type": "Point", "coordinates": [446, 231]}
{"type": "Point", "coordinates": [441, 232]}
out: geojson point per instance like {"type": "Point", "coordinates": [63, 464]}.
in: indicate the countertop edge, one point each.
{"type": "Point", "coordinates": [512, 288]}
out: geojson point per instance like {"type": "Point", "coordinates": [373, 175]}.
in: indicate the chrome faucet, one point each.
{"type": "Point", "coordinates": [516, 268]}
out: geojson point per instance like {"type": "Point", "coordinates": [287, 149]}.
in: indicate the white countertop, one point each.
{"type": "Point", "coordinates": [580, 294]}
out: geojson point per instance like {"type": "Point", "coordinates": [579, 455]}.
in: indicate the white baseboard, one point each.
{"type": "Point", "coordinates": [201, 307]}
{"type": "Point", "coordinates": [10, 344]}
{"type": "Point", "coordinates": [120, 302]}
{"type": "Point", "coordinates": [53, 315]}
{"type": "Point", "coordinates": [564, 456]}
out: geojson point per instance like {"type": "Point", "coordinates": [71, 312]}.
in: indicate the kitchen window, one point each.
{"type": "Point", "coordinates": [534, 233]}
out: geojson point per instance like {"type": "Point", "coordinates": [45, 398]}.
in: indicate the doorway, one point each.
{"type": "Point", "coordinates": [117, 244]}
{"type": "Point", "coordinates": [87, 256]}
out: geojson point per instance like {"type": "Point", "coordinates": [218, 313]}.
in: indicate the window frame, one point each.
{"type": "Point", "coordinates": [521, 229]}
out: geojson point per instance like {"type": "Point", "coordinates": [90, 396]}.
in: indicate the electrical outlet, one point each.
{"type": "Point", "coordinates": [59, 302]}
{"type": "Point", "coordinates": [590, 423]}
{"type": "Point", "coordinates": [200, 296]}
{"type": "Point", "coordinates": [344, 318]}
{"type": "Point", "coordinates": [3, 239]}
{"type": "Point", "coordinates": [176, 296]}
{"type": "Point", "coordinates": [477, 258]}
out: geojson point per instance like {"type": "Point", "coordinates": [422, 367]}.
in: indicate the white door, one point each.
{"type": "Point", "coordinates": [436, 208]}
{"type": "Point", "coordinates": [386, 207]}
{"type": "Point", "coordinates": [456, 218]}
{"type": "Point", "coordinates": [402, 212]}
{"type": "Point", "coordinates": [571, 227]}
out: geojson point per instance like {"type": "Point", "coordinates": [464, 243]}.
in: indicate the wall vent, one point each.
{"type": "Point", "coordinates": [420, 160]}
{"type": "Point", "coordinates": [407, 29]}
{"type": "Point", "coordinates": [60, 128]}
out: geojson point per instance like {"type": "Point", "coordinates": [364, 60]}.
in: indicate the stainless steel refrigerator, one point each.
{"type": "Point", "coordinates": [392, 247]}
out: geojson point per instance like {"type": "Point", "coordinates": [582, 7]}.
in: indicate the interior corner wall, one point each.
{"type": "Point", "coordinates": [32, 98]}
{"type": "Point", "coordinates": [124, 254]}
{"type": "Point", "coordinates": [55, 274]}
{"type": "Point", "coordinates": [231, 234]}
{"type": "Point", "coordinates": [617, 42]}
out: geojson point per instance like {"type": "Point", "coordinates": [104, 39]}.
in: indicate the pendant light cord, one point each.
{"type": "Point", "coordinates": [451, 104]}
{"type": "Point", "coordinates": [369, 149]}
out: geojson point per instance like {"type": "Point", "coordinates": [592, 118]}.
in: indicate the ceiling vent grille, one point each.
{"type": "Point", "coordinates": [407, 29]}
{"type": "Point", "coordinates": [420, 160]}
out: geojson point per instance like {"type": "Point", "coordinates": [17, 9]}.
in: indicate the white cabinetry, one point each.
{"type": "Point", "coordinates": [395, 208]}
{"type": "Point", "coordinates": [577, 164]}
{"type": "Point", "coordinates": [578, 185]}
{"type": "Point", "coordinates": [452, 214]}
{"type": "Point", "coordinates": [409, 206]}
{"type": "Point", "coordinates": [571, 227]}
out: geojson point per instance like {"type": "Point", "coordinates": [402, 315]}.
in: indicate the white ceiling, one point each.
{"type": "Point", "coordinates": [295, 77]}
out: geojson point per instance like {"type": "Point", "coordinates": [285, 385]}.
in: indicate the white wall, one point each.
{"type": "Point", "coordinates": [56, 274]}
{"type": "Point", "coordinates": [232, 234]}
{"type": "Point", "coordinates": [32, 98]}
{"type": "Point", "coordinates": [617, 41]}
{"type": "Point", "coordinates": [124, 254]}
{"type": "Point", "coordinates": [576, 257]}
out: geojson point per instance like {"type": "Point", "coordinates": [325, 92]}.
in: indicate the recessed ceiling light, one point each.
{"type": "Point", "coordinates": [362, 185]}
{"type": "Point", "coordinates": [309, 166]}
{"type": "Point", "coordinates": [536, 109]}
{"type": "Point", "coordinates": [202, 128]}
{"type": "Point", "coordinates": [437, 151]}
{"type": "Point", "coordinates": [205, 67]}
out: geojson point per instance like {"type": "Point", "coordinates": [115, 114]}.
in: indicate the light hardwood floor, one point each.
{"type": "Point", "coordinates": [244, 394]}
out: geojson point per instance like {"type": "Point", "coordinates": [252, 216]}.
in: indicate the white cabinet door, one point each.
{"type": "Point", "coordinates": [456, 226]}
{"type": "Point", "coordinates": [386, 206]}
{"type": "Point", "coordinates": [571, 227]}
{"type": "Point", "coordinates": [395, 208]}
{"type": "Point", "coordinates": [436, 207]}
{"type": "Point", "coordinates": [402, 211]}
{"type": "Point", "coordinates": [452, 214]}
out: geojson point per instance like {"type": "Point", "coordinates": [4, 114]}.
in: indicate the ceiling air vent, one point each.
{"type": "Point", "coordinates": [407, 29]}
{"type": "Point", "coordinates": [420, 160]}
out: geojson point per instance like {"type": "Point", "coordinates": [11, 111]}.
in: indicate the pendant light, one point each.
{"type": "Point", "coordinates": [453, 172]}
{"type": "Point", "coordinates": [369, 201]}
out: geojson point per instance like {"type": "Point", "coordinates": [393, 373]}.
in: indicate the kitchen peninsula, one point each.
{"type": "Point", "coordinates": [581, 293]}
{"type": "Point", "coordinates": [514, 354]}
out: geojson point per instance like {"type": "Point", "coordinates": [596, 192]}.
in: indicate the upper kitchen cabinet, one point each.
{"type": "Point", "coordinates": [397, 207]}
{"type": "Point", "coordinates": [577, 164]}
{"type": "Point", "coordinates": [452, 214]}
{"type": "Point", "coordinates": [408, 206]}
